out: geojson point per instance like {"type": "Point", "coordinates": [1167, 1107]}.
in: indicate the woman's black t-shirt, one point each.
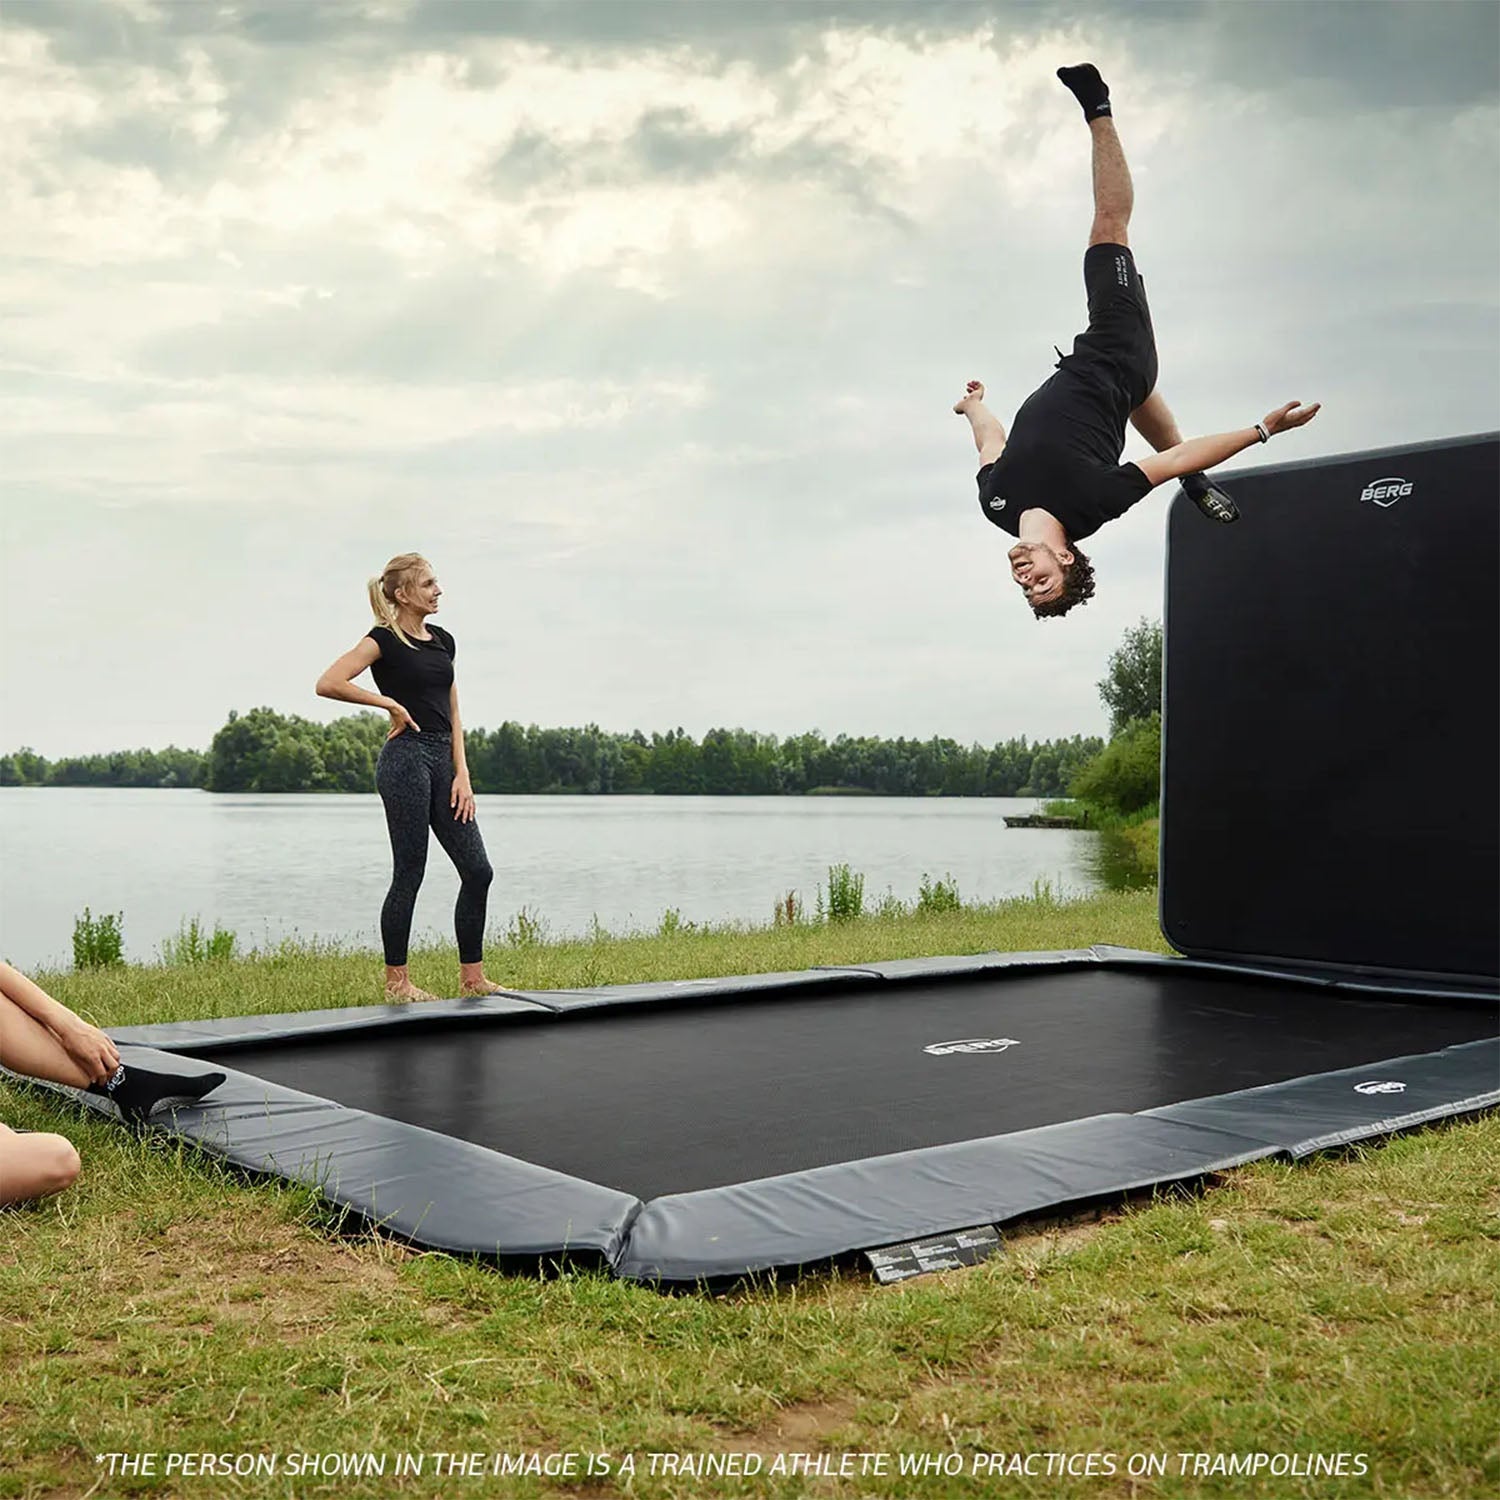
{"type": "Point", "coordinates": [418, 676]}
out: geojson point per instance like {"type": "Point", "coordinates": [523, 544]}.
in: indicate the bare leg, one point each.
{"type": "Point", "coordinates": [988, 430]}
{"type": "Point", "coordinates": [1154, 421]}
{"type": "Point", "coordinates": [34, 1165]}
{"type": "Point", "coordinates": [37, 1163]}
{"type": "Point", "coordinates": [1114, 194]}
{"type": "Point", "coordinates": [26, 1046]}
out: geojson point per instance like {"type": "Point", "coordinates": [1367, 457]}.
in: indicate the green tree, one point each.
{"type": "Point", "coordinates": [1131, 689]}
{"type": "Point", "coordinates": [294, 764]}
{"type": "Point", "coordinates": [349, 748]}
{"type": "Point", "coordinates": [1126, 775]}
{"type": "Point", "coordinates": [675, 769]}
{"type": "Point", "coordinates": [240, 749]}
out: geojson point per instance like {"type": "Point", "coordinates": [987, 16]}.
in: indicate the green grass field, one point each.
{"type": "Point", "coordinates": [161, 1308]}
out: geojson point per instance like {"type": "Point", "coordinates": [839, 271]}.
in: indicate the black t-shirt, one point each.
{"type": "Point", "coordinates": [418, 676]}
{"type": "Point", "coordinates": [1063, 456]}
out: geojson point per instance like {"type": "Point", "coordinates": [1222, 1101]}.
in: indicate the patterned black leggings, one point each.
{"type": "Point", "coordinates": [414, 777]}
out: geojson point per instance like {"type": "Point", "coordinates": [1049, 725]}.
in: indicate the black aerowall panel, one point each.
{"type": "Point", "coordinates": [1331, 751]}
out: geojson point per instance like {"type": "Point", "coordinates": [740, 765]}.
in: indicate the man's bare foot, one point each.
{"type": "Point", "coordinates": [406, 991]}
{"type": "Point", "coordinates": [973, 391]}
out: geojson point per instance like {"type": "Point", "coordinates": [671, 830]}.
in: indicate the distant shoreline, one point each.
{"type": "Point", "coordinates": [1025, 795]}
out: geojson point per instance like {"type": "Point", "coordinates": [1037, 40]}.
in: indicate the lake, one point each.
{"type": "Point", "coordinates": [271, 867]}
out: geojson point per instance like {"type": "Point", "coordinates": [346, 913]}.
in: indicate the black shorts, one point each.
{"type": "Point", "coordinates": [1119, 335]}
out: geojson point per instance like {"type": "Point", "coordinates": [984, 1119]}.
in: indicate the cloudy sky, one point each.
{"type": "Point", "coordinates": [642, 321]}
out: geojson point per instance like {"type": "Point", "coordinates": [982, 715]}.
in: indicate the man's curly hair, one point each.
{"type": "Point", "coordinates": [1078, 588]}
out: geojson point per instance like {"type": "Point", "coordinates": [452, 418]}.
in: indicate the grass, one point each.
{"type": "Point", "coordinates": [163, 1307]}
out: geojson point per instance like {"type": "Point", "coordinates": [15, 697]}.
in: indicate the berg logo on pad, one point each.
{"type": "Point", "coordinates": [971, 1044]}
{"type": "Point", "coordinates": [1380, 1086]}
{"type": "Point", "coordinates": [1386, 492]}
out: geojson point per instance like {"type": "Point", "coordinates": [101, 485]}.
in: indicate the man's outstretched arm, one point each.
{"type": "Point", "coordinates": [989, 434]}
{"type": "Point", "coordinates": [1202, 453]}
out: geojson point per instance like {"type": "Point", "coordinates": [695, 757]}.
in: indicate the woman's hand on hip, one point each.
{"type": "Point", "coordinates": [401, 721]}
{"type": "Point", "coordinates": [461, 798]}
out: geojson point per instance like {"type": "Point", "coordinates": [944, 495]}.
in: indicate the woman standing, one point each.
{"type": "Point", "coordinates": [422, 775]}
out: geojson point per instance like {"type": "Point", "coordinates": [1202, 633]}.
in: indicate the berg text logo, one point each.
{"type": "Point", "coordinates": [972, 1044]}
{"type": "Point", "coordinates": [1386, 492]}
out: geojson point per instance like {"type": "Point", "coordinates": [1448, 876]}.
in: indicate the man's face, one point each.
{"type": "Point", "coordinates": [1038, 571]}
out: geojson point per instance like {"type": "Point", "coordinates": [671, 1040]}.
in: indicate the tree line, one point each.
{"type": "Point", "coordinates": [266, 751]}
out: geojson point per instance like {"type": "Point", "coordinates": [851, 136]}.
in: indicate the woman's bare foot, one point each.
{"type": "Point", "coordinates": [473, 983]}
{"type": "Point", "coordinates": [973, 391]}
{"type": "Point", "coordinates": [407, 991]}
{"type": "Point", "coordinates": [398, 985]}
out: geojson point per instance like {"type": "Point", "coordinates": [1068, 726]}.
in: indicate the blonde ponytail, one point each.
{"type": "Point", "coordinates": [398, 572]}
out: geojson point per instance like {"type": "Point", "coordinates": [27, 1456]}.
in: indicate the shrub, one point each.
{"type": "Point", "coordinates": [527, 929]}
{"type": "Point", "coordinates": [846, 894]}
{"type": "Point", "coordinates": [788, 911]}
{"type": "Point", "coordinates": [194, 945]}
{"type": "Point", "coordinates": [1125, 776]}
{"type": "Point", "coordinates": [98, 942]}
{"type": "Point", "coordinates": [938, 895]}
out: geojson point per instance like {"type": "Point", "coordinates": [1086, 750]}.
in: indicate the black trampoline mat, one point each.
{"type": "Point", "coordinates": [658, 1100]}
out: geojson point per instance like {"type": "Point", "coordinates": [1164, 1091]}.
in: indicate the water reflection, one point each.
{"type": "Point", "coordinates": [1114, 863]}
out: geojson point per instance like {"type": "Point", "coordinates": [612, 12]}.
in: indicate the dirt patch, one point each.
{"type": "Point", "coordinates": [796, 1428]}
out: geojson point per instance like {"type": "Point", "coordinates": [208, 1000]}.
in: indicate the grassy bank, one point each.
{"type": "Point", "coordinates": [161, 1306]}
{"type": "Point", "coordinates": [313, 976]}
{"type": "Point", "coordinates": [1128, 852]}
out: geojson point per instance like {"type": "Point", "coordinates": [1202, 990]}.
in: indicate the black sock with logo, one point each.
{"type": "Point", "coordinates": [136, 1091]}
{"type": "Point", "coordinates": [1089, 89]}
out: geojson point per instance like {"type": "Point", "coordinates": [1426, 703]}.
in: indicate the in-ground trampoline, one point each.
{"type": "Point", "coordinates": [1340, 982]}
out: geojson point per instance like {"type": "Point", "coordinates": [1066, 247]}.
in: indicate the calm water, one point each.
{"type": "Point", "coordinates": [317, 866]}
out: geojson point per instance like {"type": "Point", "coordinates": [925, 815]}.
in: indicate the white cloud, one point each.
{"type": "Point", "coordinates": [655, 344]}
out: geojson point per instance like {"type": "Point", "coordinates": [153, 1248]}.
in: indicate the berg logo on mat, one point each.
{"type": "Point", "coordinates": [1386, 492]}
{"type": "Point", "coordinates": [1380, 1086]}
{"type": "Point", "coordinates": [972, 1044]}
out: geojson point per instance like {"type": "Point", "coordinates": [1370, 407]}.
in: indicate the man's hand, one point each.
{"type": "Point", "coordinates": [1293, 414]}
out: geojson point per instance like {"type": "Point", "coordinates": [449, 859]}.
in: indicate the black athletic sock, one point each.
{"type": "Point", "coordinates": [137, 1091]}
{"type": "Point", "coordinates": [1209, 498]}
{"type": "Point", "coordinates": [1089, 89]}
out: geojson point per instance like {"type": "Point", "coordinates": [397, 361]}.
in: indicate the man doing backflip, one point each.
{"type": "Point", "coordinates": [1058, 477]}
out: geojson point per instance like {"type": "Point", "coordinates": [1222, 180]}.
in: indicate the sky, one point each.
{"type": "Point", "coordinates": [643, 323]}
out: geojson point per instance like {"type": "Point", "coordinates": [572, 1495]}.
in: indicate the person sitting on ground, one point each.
{"type": "Point", "coordinates": [1058, 478]}
{"type": "Point", "coordinates": [41, 1038]}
